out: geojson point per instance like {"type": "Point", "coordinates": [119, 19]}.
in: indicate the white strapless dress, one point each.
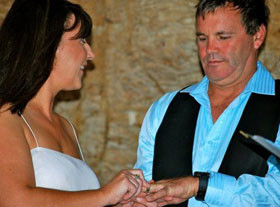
{"type": "Point", "coordinates": [56, 170]}
{"type": "Point", "coordinates": [60, 171]}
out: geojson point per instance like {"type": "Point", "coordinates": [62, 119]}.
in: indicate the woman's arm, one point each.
{"type": "Point", "coordinates": [17, 180]}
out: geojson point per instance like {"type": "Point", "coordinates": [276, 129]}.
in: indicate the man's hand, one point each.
{"type": "Point", "coordinates": [173, 191]}
{"type": "Point", "coordinates": [140, 201]}
{"type": "Point", "coordinates": [165, 192]}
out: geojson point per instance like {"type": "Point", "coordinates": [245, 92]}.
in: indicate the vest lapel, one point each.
{"type": "Point", "coordinates": [174, 139]}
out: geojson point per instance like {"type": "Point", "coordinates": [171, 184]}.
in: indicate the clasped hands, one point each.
{"type": "Point", "coordinates": [163, 192]}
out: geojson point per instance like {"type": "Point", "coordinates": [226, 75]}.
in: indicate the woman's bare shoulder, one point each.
{"type": "Point", "coordinates": [15, 156]}
{"type": "Point", "coordinates": [10, 121]}
{"type": "Point", "coordinates": [11, 130]}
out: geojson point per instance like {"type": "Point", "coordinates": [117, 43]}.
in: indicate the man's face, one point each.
{"type": "Point", "coordinates": [227, 53]}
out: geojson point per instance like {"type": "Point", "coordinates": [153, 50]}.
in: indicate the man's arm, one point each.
{"type": "Point", "coordinates": [150, 125]}
{"type": "Point", "coordinates": [224, 190]}
{"type": "Point", "coordinates": [247, 190]}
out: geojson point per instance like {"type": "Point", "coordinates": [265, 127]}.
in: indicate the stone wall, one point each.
{"type": "Point", "coordinates": [143, 49]}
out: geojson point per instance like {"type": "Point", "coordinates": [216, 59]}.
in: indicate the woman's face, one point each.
{"type": "Point", "coordinates": [71, 58]}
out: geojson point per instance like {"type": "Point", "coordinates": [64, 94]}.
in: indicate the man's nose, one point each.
{"type": "Point", "coordinates": [212, 45]}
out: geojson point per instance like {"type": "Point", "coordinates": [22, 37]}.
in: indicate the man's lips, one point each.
{"type": "Point", "coordinates": [214, 62]}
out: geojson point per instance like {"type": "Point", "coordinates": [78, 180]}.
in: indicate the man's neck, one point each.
{"type": "Point", "coordinates": [221, 96]}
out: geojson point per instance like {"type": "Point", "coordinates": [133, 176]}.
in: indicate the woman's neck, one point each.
{"type": "Point", "coordinates": [42, 102]}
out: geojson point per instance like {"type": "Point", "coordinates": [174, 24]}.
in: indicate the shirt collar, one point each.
{"type": "Point", "coordinates": [262, 83]}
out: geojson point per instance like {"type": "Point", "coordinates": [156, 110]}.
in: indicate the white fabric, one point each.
{"type": "Point", "coordinates": [56, 170]}
{"type": "Point", "coordinates": [60, 171]}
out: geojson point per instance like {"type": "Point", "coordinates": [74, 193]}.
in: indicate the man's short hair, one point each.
{"type": "Point", "coordinates": [254, 12]}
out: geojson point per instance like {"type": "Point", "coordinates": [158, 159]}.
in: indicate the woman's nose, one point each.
{"type": "Point", "coordinates": [90, 54]}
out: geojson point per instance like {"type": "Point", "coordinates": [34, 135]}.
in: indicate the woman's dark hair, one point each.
{"type": "Point", "coordinates": [254, 12]}
{"type": "Point", "coordinates": [29, 37]}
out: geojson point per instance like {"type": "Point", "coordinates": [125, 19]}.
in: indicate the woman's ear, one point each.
{"type": "Point", "coordinates": [259, 37]}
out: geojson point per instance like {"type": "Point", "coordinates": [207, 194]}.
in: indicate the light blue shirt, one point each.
{"type": "Point", "coordinates": [210, 144]}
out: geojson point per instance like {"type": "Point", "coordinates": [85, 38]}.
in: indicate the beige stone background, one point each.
{"type": "Point", "coordinates": [143, 49]}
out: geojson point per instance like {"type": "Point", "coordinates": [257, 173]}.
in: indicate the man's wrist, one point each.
{"type": "Point", "coordinates": [202, 186]}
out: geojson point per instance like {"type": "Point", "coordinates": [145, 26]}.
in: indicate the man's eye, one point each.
{"type": "Point", "coordinates": [201, 39]}
{"type": "Point", "coordinates": [224, 37]}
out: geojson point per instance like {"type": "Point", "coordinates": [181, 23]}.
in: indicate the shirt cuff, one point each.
{"type": "Point", "coordinates": [220, 189]}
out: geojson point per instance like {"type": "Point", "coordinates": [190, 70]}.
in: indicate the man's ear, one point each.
{"type": "Point", "coordinates": [259, 37]}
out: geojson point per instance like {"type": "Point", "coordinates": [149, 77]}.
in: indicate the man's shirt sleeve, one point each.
{"type": "Point", "coordinates": [247, 190]}
{"type": "Point", "coordinates": [151, 123]}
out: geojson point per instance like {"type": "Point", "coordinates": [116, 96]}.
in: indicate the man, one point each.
{"type": "Point", "coordinates": [190, 139]}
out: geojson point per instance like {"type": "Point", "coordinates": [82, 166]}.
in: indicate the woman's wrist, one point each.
{"type": "Point", "coordinates": [104, 197]}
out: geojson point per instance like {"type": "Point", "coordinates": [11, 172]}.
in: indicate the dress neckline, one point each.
{"type": "Point", "coordinates": [55, 151]}
{"type": "Point", "coordinates": [38, 146]}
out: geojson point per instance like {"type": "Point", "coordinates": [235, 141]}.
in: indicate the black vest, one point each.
{"type": "Point", "coordinates": [174, 138]}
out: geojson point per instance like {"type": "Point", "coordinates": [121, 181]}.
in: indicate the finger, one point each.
{"type": "Point", "coordinates": [139, 187]}
{"type": "Point", "coordinates": [164, 203]}
{"type": "Point", "coordinates": [158, 200]}
{"type": "Point", "coordinates": [158, 195]}
{"type": "Point", "coordinates": [152, 204]}
{"type": "Point", "coordinates": [168, 198]}
{"type": "Point", "coordinates": [138, 205]}
{"type": "Point", "coordinates": [128, 195]}
{"type": "Point", "coordinates": [131, 189]}
{"type": "Point", "coordinates": [143, 202]}
{"type": "Point", "coordinates": [128, 204]}
{"type": "Point", "coordinates": [140, 174]}
{"type": "Point", "coordinates": [155, 187]}
{"type": "Point", "coordinates": [145, 190]}
{"type": "Point", "coordinates": [141, 194]}
{"type": "Point", "coordinates": [145, 184]}
{"type": "Point", "coordinates": [135, 179]}
{"type": "Point", "coordinates": [141, 182]}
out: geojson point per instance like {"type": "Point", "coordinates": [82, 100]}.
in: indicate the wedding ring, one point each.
{"type": "Point", "coordinates": [136, 176]}
{"type": "Point", "coordinates": [148, 189]}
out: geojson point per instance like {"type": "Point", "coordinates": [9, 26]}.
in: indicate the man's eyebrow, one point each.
{"type": "Point", "coordinates": [217, 33]}
{"type": "Point", "coordinates": [199, 33]}
{"type": "Point", "coordinates": [223, 32]}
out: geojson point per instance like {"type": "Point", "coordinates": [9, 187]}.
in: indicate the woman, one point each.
{"type": "Point", "coordinates": [43, 51]}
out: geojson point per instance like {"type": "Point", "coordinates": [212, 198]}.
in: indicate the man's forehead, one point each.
{"type": "Point", "coordinates": [221, 14]}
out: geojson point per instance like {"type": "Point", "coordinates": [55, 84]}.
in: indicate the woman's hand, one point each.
{"type": "Point", "coordinates": [124, 187]}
